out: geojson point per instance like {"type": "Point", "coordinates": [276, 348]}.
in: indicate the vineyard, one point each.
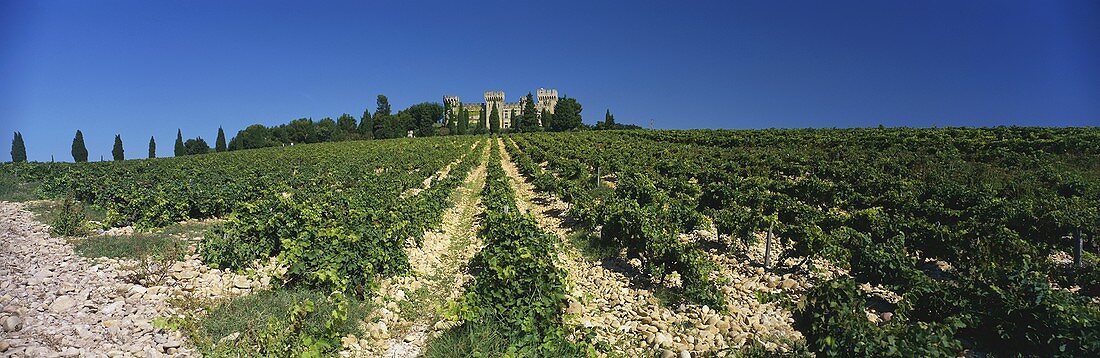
{"type": "Point", "coordinates": [830, 242]}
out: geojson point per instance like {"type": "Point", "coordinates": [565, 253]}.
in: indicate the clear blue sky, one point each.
{"type": "Point", "coordinates": [145, 68]}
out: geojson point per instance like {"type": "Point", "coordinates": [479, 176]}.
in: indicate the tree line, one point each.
{"type": "Point", "coordinates": [419, 120]}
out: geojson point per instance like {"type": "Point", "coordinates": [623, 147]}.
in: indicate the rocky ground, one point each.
{"type": "Point", "coordinates": [411, 305]}
{"type": "Point", "coordinates": [613, 298]}
{"type": "Point", "coordinates": [56, 303]}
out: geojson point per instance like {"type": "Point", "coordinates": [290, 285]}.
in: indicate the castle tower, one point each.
{"type": "Point", "coordinates": [494, 98]}
{"type": "Point", "coordinates": [548, 99]}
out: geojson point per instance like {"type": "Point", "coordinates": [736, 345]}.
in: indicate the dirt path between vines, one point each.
{"type": "Point", "coordinates": [410, 312]}
{"type": "Point", "coordinates": [611, 297]}
{"type": "Point", "coordinates": [56, 303]}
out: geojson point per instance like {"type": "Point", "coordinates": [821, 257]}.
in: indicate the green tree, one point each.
{"type": "Point", "coordinates": [117, 152]}
{"type": "Point", "coordinates": [348, 127]}
{"type": "Point", "coordinates": [366, 125]}
{"type": "Point", "coordinates": [450, 118]}
{"type": "Point", "coordinates": [494, 120]}
{"type": "Point", "coordinates": [545, 118]}
{"type": "Point", "coordinates": [18, 149]}
{"type": "Point", "coordinates": [327, 131]}
{"type": "Point", "coordinates": [382, 117]}
{"type": "Point", "coordinates": [422, 118]}
{"type": "Point", "coordinates": [196, 146]}
{"type": "Point", "coordinates": [567, 115]}
{"type": "Point", "coordinates": [219, 143]}
{"type": "Point", "coordinates": [152, 148]}
{"type": "Point", "coordinates": [529, 120]}
{"type": "Point", "coordinates": [80, 152]}
{"type": "Point", "coordinates": [300, 131]}
{"type": "Point", "coordinates": [463, 121]}
{"type": "Point", "coordinates": [180, 150]}
{"type": "Point", "coordinates": [255, 136]}
{"type": "Point", "coordinates": [608, 121]}
{"type": "Point", "coordinates": [383, 108]}
{"type": "Point", "coordinates": [480, 124]}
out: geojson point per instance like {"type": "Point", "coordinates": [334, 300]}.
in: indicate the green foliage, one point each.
{"type": "Point", "coordinates": [18, 149]}
{"type": "Point", "coordinates": [835, 325]}
{"type": "Point", "coordinates": [152, 148]}
{"type": "Point", "coordinates": [567, 115]}
{"type": "Point", "coordinates": [79, 151]}
{"type": "Point", "coordinates": [423, 117]}
{"type": "Point", "coordinates": [463, 126]}
{"type": "Point", "coordinates": [180, 150]}
{"type": "Point", "coordinates": [254, 136]}
{"type": "Point", "coordinates": [383, 108]}
{"type": "Point", "coordinates": [494, 119]}
{"type": "Point", "coordinates": [1021, 314]}
{"type": "Point", "coordinates": [366, 125]}
{"type": "Point", "coordinates": [348, 128]}
{"type": "Point", "coordinates": [69, 220]}
{"type": "Point", "coordinates": [990, 202]}
{"type": "Point", "coordinates": [517, 287]}
{"type": "Point", "coordinates": [196, 146]}
{"type": "Point", "coordinates": [219, 143]}
{"type": "Point", "coordinates": [529, 120]}
{"type": "Point", "coordinates": [130, 246]}
{"type": "Point", "coordinates": [273, 323]}
{"type": "Point", "coordinates": [117, 152]}
{"type": "Point", "coordinates": [332, 233]}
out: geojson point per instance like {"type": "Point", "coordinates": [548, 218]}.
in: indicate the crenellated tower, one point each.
{"type": "Point", "coordinates": [494, 98]}
{"type": "Point", "coordinates": [547, 99]}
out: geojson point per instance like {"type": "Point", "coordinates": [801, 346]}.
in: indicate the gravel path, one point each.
{"type": "Point", "coordinates": [439, 274]}
{"type": "Point", "coordinates": [56, 303]}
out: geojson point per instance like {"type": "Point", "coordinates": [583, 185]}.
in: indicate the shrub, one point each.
{"type": "Point", "coordinates": [70, 220]}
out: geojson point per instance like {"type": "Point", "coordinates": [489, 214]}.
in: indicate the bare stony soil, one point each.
{"type": "Point", "coordinates": [56, 303]}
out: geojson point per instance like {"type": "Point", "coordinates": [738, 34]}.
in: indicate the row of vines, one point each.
{"type": "Point", "coordinates": [994, 203]}
{"type": "Point", "coordinates": [518, 286]}
{"type": "Point", "coordinates": [337, 216]}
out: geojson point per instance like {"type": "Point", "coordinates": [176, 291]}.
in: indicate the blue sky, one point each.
{"type": "Point", "coordinates": [144, 68]}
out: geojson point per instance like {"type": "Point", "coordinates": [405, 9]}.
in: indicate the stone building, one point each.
{"type": "Point", "coordinates": [545, 99]}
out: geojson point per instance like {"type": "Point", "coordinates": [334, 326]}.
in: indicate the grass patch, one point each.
{"type": "Point", "coordinates": [48, 210]}
{"type": "Point", "coordinates": [469, 340]}
{"type": "Point", "coordinates": [187, 229]}
{"type": "Point", "coordinates": [255, 317]}
{"type": "Point", "coordinates": [133, 246]}
{"type": "Point", "coordinates": [588, 243]}
{"type": "Point", "coordinates": [13, 189]}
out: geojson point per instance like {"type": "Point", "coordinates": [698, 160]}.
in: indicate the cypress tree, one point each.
{"type": "Point", "coordinates": [545, 118]}
{"type": "Point", "coordinates": [152, 148]}
{"type": "Point", "coordinates": [529, 120]}
{"type": "Point", "coordinates": [18, 149]}
{"type": "Point", "coordinates": [381, 116]}
{"type": "Point", "coordinates": [117, 151]}
{"type": "Point", "coordinates": [219, 144]}
{"type": "Point", "coordinates": [179, 150]}
{"type": "Point", "coordinates": [463, 121]}
{"type": "Point", "coordinates": [366, 125]}
{"type": "Point", "coordinates": [452, 119]}
{"type": "Point", "coordinates": [80, 152]}
{"type": "Point", "coordinates": [494, 120]}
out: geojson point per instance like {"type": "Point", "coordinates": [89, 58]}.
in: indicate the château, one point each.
{"type": "Point", "coordinates": [546, 99]}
